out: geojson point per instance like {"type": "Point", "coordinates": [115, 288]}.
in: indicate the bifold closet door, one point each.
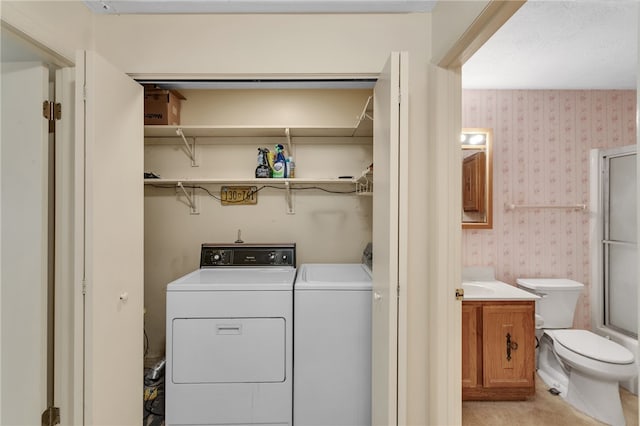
{"type": "Point", "coordinates": [390, 140]}
{"type": "Point", "coordinates": [109, 128]}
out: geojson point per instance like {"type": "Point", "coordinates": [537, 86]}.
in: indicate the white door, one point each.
{"type": "Point", "coordinates": [109, 128]}
{"type": "Point", "coordinates": [23, 294]}
{"type": "Point", "coordinates": [389, 146]}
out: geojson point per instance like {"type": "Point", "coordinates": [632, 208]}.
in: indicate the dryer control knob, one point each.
{"type": "Point", "coordinates": [217, 257]}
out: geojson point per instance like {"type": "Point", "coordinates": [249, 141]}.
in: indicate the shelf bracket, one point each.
{"type": "Point", "coordinates": [365, 114]}
{"type": "Point", "coordinates": [191, 148]}
{"type": "Point", "coordinates": [191, 198]}
{"type": "Point", "coordinates": [287, 133]}
{"type": "Point", "coordinates": [289, 198]}
{"type": "Point", "coordinates": [364, 182]}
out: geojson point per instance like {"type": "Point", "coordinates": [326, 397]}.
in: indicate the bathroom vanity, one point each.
{"type": "Point", "coordinates": [498, 342]}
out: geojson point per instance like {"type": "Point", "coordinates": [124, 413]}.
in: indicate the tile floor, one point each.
{"type": "Point", "coordinates": [543, 409]}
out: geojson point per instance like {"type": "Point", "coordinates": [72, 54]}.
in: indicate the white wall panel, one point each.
{"type": "Point", "coordinates": [260, 44]}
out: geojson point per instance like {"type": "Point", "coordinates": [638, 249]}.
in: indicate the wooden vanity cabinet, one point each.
{"type": "Point", "coordinates": [498, 350]}
{"type": "Point", "coordinates": [471, 345]}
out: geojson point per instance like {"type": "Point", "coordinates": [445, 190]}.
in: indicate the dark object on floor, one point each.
{"type": "Point", "coordinates": [554, 391]}
{"type": "Point", "coordinates": [154, 396]}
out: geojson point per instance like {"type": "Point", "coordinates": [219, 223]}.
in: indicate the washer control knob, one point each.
{"type": "Point", "coordinates": [217, 257]}
{"type": "Point", "coordinates": [272, 256]}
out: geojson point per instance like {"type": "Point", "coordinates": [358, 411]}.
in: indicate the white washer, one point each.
{"type": "Point", "coordinates": [229, 338]}
{"type": "Point", "coordinates": [332, 345]}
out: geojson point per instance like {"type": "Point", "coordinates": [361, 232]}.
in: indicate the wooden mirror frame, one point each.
{"type": "Point", "coordinates": [477, 180]}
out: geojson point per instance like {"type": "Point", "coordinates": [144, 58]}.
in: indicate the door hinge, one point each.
{"type": "Point", "coordinates": [84, 287]}
{"type": "Point", "coordinates": [51, 110]}
{"type": "Point", "coordinates": [51, 416]}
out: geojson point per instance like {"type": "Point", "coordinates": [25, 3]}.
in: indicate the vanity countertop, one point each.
{"type": "Point", "coordinates": [494, 290]}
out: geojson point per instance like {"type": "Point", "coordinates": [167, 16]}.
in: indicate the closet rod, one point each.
{"type": "Point", "coordinates": [546, 206]}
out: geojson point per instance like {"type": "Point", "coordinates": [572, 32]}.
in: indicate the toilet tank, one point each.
{"type": "Point", "coordinates": [558, 300]}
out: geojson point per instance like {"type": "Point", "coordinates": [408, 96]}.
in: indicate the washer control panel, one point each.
{"type": "Point", "coordinates": [219, 255]}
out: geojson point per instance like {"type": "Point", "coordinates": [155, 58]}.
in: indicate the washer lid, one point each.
{"type": "Point", "coordinates": [592, 346]}
{"type": "Point", "coordinates": [549, 283]}
{"type": "Point", "coordinates": [333, 276]}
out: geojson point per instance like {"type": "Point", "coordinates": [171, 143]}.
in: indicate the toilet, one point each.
{"type": "Point", "coordinates": [584, 367]}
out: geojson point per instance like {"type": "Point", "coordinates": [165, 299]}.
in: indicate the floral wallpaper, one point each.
{"type": "Point", "coordinates": [542, 140]}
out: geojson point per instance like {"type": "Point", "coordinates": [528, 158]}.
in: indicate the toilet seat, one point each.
{"type": "Point", "coordinates": [591, 345]}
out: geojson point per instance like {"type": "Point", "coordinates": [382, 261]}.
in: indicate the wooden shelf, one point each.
{"type": "Point", "coordinates": [252, 181]}
{"type": "Point", "coordinates": [251, 131]}
{"type": "Point", "coordinates": [286, 184]}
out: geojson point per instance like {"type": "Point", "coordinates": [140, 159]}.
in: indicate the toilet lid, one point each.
{"type": "Point", "coordinates": [591, 345]}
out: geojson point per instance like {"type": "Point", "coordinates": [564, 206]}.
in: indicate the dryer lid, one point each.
{"type": "Point", "coordinates": [236, 279]}
{"type": "Point", "coordinates": [591, 345]}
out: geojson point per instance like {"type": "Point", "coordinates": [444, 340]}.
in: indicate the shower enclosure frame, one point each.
{"type": "Point", "coordinates": [598, 243]}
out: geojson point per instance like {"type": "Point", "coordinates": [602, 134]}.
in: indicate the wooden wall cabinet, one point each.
{"type": "Point", "coordinates": [498, 350]}
{"type": "Point", "coordinates": [473, 182]}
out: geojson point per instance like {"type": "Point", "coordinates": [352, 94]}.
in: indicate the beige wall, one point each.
{"type": "Point", "coordinates": [453, 20]}
{"type": "Point", "coordinates": [327, 228]}
{"type": "Point", "coordinates": [260, 44]}
{"type": "Point", "coordinates": [62, 26]}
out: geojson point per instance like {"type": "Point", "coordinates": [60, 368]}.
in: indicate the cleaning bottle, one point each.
{"type": "Point", "coordinates": [291, 168]}
{"type": "Point", "coordinates": [271, 158]}
{"type": "Point", "coordinates": [262, 171]}
{"type": "Point", "coordinates": [279, 162]}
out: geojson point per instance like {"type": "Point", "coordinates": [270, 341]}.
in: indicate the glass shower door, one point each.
{"type": "Point", "coordinates": [620, 242]}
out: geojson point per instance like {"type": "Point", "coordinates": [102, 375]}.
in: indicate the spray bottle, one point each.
{"type": "Point", "coordinates": [262, 171]}
{"type": "Point", "coordinates": [279, 163]}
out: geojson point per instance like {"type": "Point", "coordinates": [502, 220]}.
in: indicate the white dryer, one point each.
{"type": "Point", "coordinates": [332, 345]}
{"type": "Point", "coordinates": [229, 338]}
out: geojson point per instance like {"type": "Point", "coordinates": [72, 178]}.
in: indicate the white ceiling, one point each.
{"type": "Point", "coordinates": [580, 44]}
{"type": "Point", "coordinates": [258, 6]}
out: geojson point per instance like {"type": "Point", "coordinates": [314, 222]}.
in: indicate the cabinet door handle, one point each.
{"type": "Point", "coordinates": [510, 346]}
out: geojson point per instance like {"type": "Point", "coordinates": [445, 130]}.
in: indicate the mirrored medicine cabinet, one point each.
{"type": "Point", "coordinates": [477, 178]}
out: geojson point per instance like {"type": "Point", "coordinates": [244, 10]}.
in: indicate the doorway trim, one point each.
{"type": "Point", "coordinates": [443, 219]}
